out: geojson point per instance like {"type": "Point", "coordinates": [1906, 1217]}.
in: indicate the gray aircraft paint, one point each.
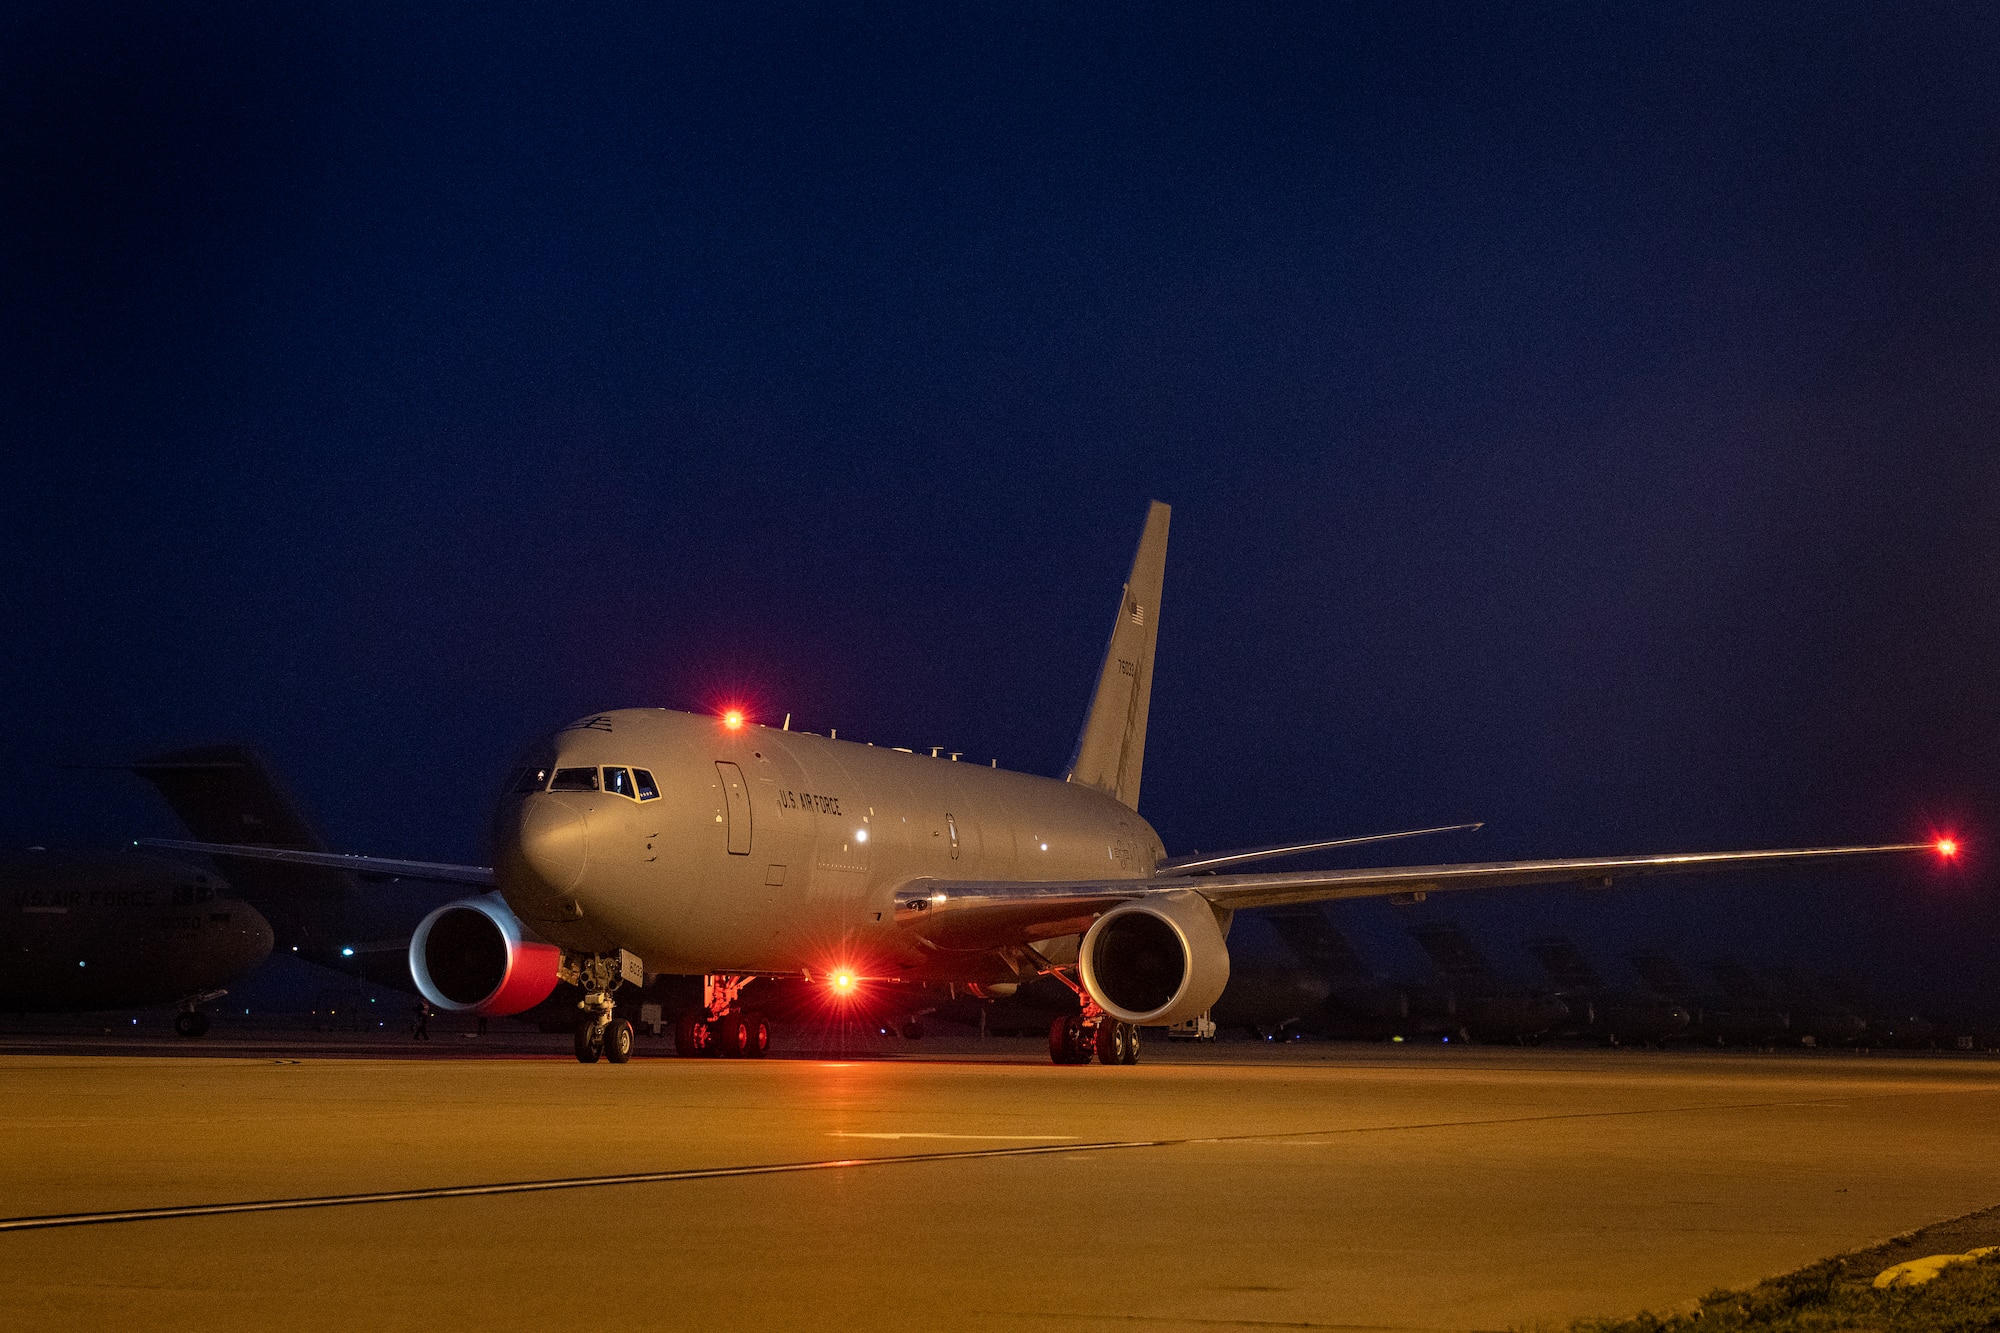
{"type": "Point", "coordinates": [118, 930]}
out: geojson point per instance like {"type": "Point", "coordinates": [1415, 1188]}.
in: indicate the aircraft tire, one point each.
{"type": "Point", "coordinates": [691, 1035]}
{"type": "Point", "coordinates": [1110, 1042]}
{"type": "Point", "coordinates": [759, 1040]}
{"type": "Point", "coordinates": [192, 1023]}
{"type": "Point", "coordinates": [913, 1031]}
{"type": "Point", "coordinates": [589, 1045]}
{"type": "Point", "coordinates": [1130, 1054]}
{"type": "Point", "coordinates": [732, 1036]}
{"type": "Point", "coordinates": [1066, 1041]}
{"type": "Point", "coordinates": [618, 1041]}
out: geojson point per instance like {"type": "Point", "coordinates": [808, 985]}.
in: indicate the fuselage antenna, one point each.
{"type": "Point", "coordinates": [788, 723]}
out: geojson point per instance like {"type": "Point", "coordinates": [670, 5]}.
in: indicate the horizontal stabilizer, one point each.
{"type": "Point", "coordinates": [1182, 865]}
{"type": "Point", "coordinates": [388, 868]}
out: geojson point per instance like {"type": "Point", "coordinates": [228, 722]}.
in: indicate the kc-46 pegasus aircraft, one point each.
{"type": "Point", "coordinates": [648, 840]}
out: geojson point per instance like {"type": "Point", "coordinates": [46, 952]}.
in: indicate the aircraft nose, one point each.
{"type": "Point", "coordinates": [554, 842]}
{"type": "Point", "coordinates": [255, 939]}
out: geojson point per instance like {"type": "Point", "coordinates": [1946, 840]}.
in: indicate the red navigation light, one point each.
{"type": "Point", "coordinates": [843, 982]}
{"type": "Point", "coordinates": [1947, 847]}
{"type": "Point", "coordinates": [733, 719]}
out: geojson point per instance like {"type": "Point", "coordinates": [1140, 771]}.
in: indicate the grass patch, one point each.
{"type": "Point", "coordinates": [1835, 1294]}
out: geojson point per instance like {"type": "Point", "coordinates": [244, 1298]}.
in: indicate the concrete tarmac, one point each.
{"type": "Point", "coordinates": [1309, 1186]}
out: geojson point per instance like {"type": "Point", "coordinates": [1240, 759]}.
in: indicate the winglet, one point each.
{"type": "Point", "coordinates": [1112, 746]}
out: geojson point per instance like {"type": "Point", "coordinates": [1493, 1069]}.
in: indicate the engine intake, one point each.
{"type": "Point", "coordinates": [475, 957]}
{"type": "Point", "coordinates": [1157, 961]}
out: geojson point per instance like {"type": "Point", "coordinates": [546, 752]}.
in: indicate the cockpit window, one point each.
{"type": "Point", "coordinates": [618, 782]}
{"type": "Point", "coordinates": [575, 779]}
{"type": "Point", "coordinates": [648, 789]}
{"type": "Point", "coordinates": [532, 778]}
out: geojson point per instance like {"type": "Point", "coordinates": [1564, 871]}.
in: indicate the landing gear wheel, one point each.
{"type": "Point", "coordinates": [759, 1038]}
{"type": "Point", "coordinates": [192, 1023]}
{"type": "Point", "coordinates": [913, 1031]}
{"type": "Point", "coordinates": [1110, 1042]}
{"type": "Point", "coordinates": [1117, 1043]}
{"type": "Point", "coordinates": [1069, 1041]}
{"type": "Point", "coordinates": [732, 1036]}
{"type": "Point", "coordinates": [589, 1042]}
{"type": "Point", "coordinates": [617, 1041]}
{"type": "Point", "coordinates": [692, 1035]}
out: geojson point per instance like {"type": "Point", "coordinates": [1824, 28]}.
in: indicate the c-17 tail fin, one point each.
{"type": "Point", "coordinates": [1112, 747]}
{"type": "Point", "coordinates": [227, 794]}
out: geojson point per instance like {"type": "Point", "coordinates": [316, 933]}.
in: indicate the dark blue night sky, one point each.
{"type": "Point", "coordinates": [1582, 418]}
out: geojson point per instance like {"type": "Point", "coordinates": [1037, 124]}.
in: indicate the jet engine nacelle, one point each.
{"type": "Point", "coordinates": [1156, 961]}
{"type": "Point", "coordinates": [475, 957]}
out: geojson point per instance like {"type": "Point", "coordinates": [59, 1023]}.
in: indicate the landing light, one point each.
{"type": "Point", "coordinates": [1947, 847]}
{"type": "Point", "coordinates": [733, 719]}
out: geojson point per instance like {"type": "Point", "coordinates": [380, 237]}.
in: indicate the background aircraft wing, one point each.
{"type": "Point", "coordinates": [990, 914]}
{"type": "Point", "coordinates": [1180, 865]}
{"type": "Point", "coordinates": [385, 867]}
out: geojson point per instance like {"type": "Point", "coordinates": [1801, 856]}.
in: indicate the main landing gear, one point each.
{"type": "Point", "coordinates": [723, 1027]}
{"type": "Point", "coordinates": [1076, 1038]}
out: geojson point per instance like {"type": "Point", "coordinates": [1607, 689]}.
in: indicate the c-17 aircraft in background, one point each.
{"type": "Point", "coordinates": [646, 839]}
{"type": "Point", "coordinates": [84, 931]}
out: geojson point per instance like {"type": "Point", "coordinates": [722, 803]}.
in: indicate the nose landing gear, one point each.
{"type": "Point", "coordinates": [600, 1032]}
{"type": "Point", "coordinates": [191, 1021]}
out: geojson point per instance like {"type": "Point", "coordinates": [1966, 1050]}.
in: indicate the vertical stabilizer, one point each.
{"type": "Point", "coordinates": [1112, 747]}
{"type": "Point", "coordinates": [1565, 963]}
{"type": "Point", "coordinates": [228, 794]}
{"type": "Point", "coordinates": [1457, 958]}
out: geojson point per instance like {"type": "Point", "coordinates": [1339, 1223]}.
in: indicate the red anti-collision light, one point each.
{"type": "Point", "coordinates": [1947, 847]}
{"type": "Point", "coordinates": [843, 982]}
{"type": "Point", "coordinates": [733, 719]}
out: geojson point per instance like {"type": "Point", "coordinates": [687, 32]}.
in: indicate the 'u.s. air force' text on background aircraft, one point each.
{"type": "Point", "coordinates": [117, 930]}
{"type": "Point", "coordinates": [718, 847]}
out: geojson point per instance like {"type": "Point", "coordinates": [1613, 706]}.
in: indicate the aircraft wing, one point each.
{"type": "Point", "coordinates": [967, 914]}
{"type": "Point", "coordinates": [1179, 865]}
{"type": "Point", "coordinates": [382, 866]}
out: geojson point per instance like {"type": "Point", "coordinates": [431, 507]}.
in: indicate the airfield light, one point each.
{"type": "Point", "coordinates": [1947, 847]}
{"type": "Point", "coordinates": [347, 953]}
{"type": "Point", "coordinates": [733, 719]}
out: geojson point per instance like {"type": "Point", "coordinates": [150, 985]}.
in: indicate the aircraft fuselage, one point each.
{"type": "Point", "coordinates": [764, 850]}
{"type": "Point", "coordinates": [111, 930]}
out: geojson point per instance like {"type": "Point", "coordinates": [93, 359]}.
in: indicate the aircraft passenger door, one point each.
{"type": "Point", "coordinates": [736, 798]}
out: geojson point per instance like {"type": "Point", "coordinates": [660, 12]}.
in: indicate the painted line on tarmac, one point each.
{"type": "Point", "coordinates": [51, 1221]}
{"type": "Point", "coordinates": [1024, 1138]}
